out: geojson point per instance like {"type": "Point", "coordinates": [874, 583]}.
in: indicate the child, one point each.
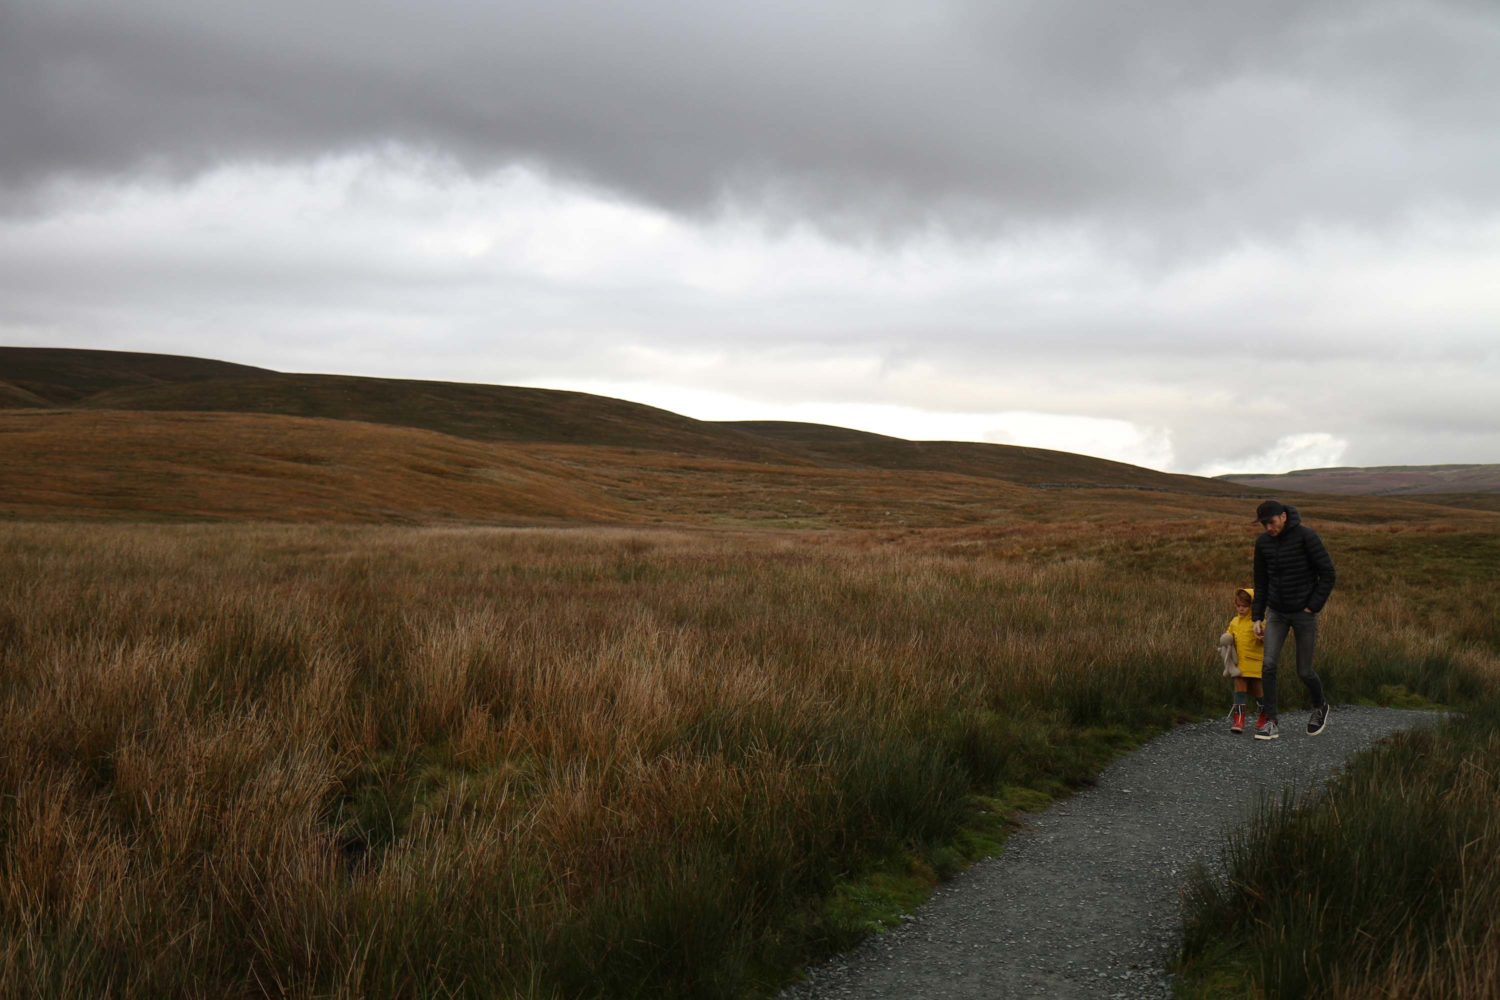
{"type": "Point", "coordinates": [1249, 654]}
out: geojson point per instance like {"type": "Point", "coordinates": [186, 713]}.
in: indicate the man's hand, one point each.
{"type": "Point", "coordinates": [1308, 611]}
{"type": "Point", "coordinates": [1260, 630]}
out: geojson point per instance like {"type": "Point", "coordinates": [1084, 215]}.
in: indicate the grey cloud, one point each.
{"type": "Point", "coordinates": [1180, 117]}
{"type": "Point", "coordinates": [1175, 130]}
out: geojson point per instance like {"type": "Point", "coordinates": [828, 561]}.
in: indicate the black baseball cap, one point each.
{"type": "Point", "coordinates": [1269, 509]}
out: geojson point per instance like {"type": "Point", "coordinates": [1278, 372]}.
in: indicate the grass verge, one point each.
{"type": "Point", "coordinates": [878, 898]}
{"type": "Point", "coordinates": [1387, 885]}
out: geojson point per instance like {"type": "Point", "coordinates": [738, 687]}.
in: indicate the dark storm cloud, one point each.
{"type": "Point", "coordinates": [861, 115]}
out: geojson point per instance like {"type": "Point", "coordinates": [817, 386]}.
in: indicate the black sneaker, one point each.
{"type": "Point", "coordinates": [1318, 720]}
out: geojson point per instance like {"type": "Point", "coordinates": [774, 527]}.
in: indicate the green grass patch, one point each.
{"type": "Point", "coordinates": [1221, 971]}
{"type": "Point", "coordinates": [876, 901]}
{"type": "Point", "coordinates": [1400, 696]}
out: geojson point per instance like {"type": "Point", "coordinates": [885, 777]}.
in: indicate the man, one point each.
{"type": "Point", "coordinates": [1293, 578]}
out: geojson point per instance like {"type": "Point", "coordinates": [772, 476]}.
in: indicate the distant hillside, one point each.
{"type": "Point", "coordinates": [47, 376]}
{"type": "Point", "coordinates": [1388, 480]}
{"type": "Point", "coordinates": [103, 380]}
{"type": "Point", "coordinates": [132, 466]}
{"type": "Point", "coordinates": [94, 435]}
{"type": "Point", "coordinates": [473, 411]}
{"type": "Point", "coordinates": [840, 446]}
{"type": "Point", "coordinates": [208, 466]}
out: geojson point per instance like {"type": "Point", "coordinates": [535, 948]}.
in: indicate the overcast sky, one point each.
{"type": "Point", "coordinates": [1199, 236]}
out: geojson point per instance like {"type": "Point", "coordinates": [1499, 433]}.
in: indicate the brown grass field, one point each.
{"type": "Point", "coordinates": [193, 466]}
{"type": "Point", "coordinates": [345, 761]}
{"type": "Point", "coordinates": [325, 707]}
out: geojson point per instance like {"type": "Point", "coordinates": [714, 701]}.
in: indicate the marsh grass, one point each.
{"type": "Point", "coordinates": [248, 761]}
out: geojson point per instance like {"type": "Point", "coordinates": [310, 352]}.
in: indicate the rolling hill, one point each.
{"type": "Point", "coordinates": [1041, 467]}
{"type": "Point", "coordinates": [1387, 480]}
{"type": "Point", "coordinates": [102, 380]}
{"type": "Point", "coordinates": [45, 376]}
{"type": "Point", "coordinates": [211, 466]}
{"type": "Point", "coordinates": [98, 434]}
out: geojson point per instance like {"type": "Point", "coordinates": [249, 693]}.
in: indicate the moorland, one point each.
{"type": "Point", "coordinates": [322, 686]}
{"type": "Point", "coordinates": [1475, 486]}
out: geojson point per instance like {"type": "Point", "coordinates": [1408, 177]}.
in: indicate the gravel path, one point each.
{"type": "Point", "coordinates": [1084, 900]}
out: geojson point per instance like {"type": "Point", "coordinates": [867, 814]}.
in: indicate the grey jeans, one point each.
{"type": "Point", "coordinates": [1304, 626]}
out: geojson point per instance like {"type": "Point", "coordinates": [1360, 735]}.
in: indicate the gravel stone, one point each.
{"type": "Point", "coordinates": [1085, 899]}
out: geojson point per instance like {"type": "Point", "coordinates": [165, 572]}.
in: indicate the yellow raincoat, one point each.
{"type": "Point", "coordinates": [1249, 649]}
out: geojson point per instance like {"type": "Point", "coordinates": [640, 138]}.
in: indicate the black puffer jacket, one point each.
{"type": "Point", "coordinates": [1292, 570]}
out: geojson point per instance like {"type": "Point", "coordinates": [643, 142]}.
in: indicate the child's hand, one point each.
{"type": "Point", "coordinates": [1260, 630]}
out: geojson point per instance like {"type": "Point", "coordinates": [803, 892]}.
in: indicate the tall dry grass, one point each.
{"type": "Point", "coordinates": [249, 761]}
